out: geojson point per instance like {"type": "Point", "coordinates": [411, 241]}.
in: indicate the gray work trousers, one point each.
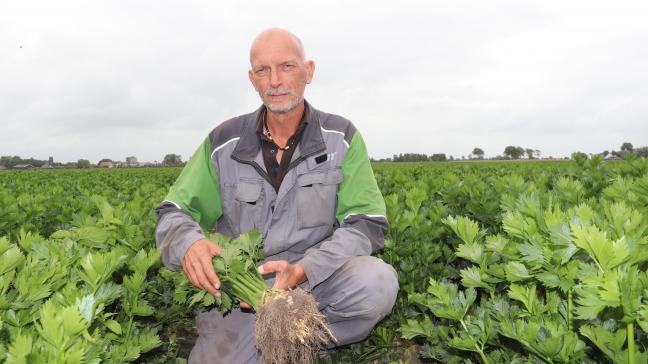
{"type": "Point", "coordinates": [357, 296]}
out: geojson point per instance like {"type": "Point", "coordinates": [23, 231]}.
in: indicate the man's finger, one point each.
{"type": "Point", "coordinates": [191, 275]}
{"type": "Point", "coordinates": [274, 266]}
{"type": "Point", "coordinates": [210, 273]}
{"type": "Point", "coordinates": [204, 282]}
{"type": "Point", "coordinates": [215, 250]}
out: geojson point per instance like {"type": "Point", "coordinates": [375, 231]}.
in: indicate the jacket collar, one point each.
{"type": "Point", "coordinates": [249, 145]}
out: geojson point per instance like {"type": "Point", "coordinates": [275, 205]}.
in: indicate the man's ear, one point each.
{"type": "Point", "coordinates": [310, 70]}
{"type": "Point", "coordinates": [251, 77]}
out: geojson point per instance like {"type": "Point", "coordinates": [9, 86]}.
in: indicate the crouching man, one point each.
{"type": "Point", "coordinates": [303, 178]}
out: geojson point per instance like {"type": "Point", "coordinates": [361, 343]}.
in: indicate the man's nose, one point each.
{"type": "Point", "coordinates": [275, 79]}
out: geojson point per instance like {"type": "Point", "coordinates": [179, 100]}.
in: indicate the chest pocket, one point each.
{"type": "Point", "coordinates": [317, 197]}
{"type": "Point", "coordinates": [249, 204]}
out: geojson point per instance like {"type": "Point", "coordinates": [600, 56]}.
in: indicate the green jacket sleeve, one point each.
{"type": "Point", "coordinates": [358, 193]}
{"type": "Point", "coordinates": [192, 206]}
{"type": "Point", "coordinates": [196, 190]}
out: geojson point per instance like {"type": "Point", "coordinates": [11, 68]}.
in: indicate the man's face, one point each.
{"type": "Point", "coordinates": [279, 73]}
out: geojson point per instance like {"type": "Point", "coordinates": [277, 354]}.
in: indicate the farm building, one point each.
{"type": "Point", "coordinates": [105, 163]}
{"type": "Point", "coordinates": [612, 157]}
{"type": "Point", "coordinates": [23, 166]}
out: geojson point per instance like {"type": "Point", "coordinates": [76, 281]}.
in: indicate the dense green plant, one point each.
{"type": "Point", "coordinates": [502, 261]}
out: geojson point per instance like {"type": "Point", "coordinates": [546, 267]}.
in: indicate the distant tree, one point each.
{"type": "Point", "coordinates": [478, 152]}
{"type": "Point", "coordinates": [529, 152]}
{"type": "Point", "coordinates": [513, 152]}
{"type": "Point", "coordinates": [15, 160]}
{"type": "Point", "coordinates": [83, 163]}
{"type": "Point", "coordinates": [578, 156]}
{"type": "Point", "coordinates": [626, 147]}
{"type": "Point", "coordinates": [410, 157]}
{"type": "Point", "coordinates": [172, 160]}
{"type": "Point", "coordinates": [131, 161]}
{"type": "Point", "coordinates": [5, 160]}
{"type": "Point", "coordinates": [605, 153]}
{"type": "Point", "coordinates": [641, 152]}
{"type": "Point", "coordinates": [438, 157]}
{"type": "Point", "coordinates": [11, 161]}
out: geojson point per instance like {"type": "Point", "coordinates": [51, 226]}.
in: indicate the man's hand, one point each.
{"type": "Point", "coordinates": [197, 266]}
{"type": "Point", "coordinates": [288, 276]}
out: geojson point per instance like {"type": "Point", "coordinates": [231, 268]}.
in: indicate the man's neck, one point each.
{"type": "Point", "coordinates": [283, 126]}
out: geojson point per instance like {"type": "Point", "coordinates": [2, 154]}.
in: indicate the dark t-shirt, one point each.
{"type": "Point", "coordinates": [277, 171]}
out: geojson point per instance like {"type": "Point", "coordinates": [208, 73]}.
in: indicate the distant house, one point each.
{"type": "Point", "coordinates": [612, 157]}
{"type": "Point", "coordinates": [2, 167]}
{"type": "Point", "coordinates": [47, 166]}
{"type": "Point", "coordinates": [23, 166]}
{"type": "Point", "coordinates": [105, 163]}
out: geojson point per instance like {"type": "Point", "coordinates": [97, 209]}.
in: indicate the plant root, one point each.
{"type": "Point", "coordinates": [290, 328]}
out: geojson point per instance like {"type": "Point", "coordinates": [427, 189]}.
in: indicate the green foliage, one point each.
{"type": "Point", "coordinates": [541, 262]}
{"type": "Point", "coordinates": [571, 260]}
{"type": "Point", "coordinates": [236, 267]}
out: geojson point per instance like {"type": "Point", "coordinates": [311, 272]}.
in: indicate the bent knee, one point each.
{"type": "Point", "coordinates": [378, 283]}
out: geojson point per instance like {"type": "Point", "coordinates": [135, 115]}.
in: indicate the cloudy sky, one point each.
{"type": "Point", "coordinates": [95, 79]}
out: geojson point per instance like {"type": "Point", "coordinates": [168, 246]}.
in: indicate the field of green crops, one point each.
{"type": "Point", "coordinates": [498, 262]}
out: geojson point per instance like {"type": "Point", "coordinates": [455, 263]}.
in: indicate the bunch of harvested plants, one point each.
{"type": "Point", "coordinates": [289, 327]}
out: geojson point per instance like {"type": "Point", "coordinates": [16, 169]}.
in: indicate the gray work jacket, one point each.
{"type": "Point", "coordinates": [327, 210]}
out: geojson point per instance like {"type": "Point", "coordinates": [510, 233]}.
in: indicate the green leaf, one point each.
{"type": "Point", "coordinates": [19, 349]}
{"type": "Point", "coordinates": [414, 328]}
{"type": "Point", "coordinates": [148, 340]}
{"type": "Point", "coordinates": [605, 253]}
{"type": "Point", "coordinates": [72, 321]}
{"type": "Point", "coordinates": [473, 277]}
{"type": "Point", "coordinates": [114, 326]}
{"type": "Point", "coordinates": [466, 229]}
{"type": "Point", "coordinates": [632, 290]}
{"type": "Point", "coordinates": [610, 343]}
{"type": "Point", "coordinates": [49, 326]}
{"type": "Point", "coordinates": [471, 252]}
{"type": "Point", "coordinates": [85, 306]}
{"type": "Point", "coordinates": [533, 255]}
{"type": "Point", "coordinates": [10, 256]}
{"type": "Point", "coordinates": [516, 271]}
{"type": "Point", "coordinates": [93, 235]}
{"type": "Point", "coordinates": [142, 308]}
{"type": "Point", "coordinates": [594, 294]}
{"type": "Point", "coordinates": [134, 282]}
{"type": "Point", "coordinates": [526, 295]}
{"type": "Point", "coordinates": [463, 342]}
{"type": "Point", "coordinates": [519, 226]}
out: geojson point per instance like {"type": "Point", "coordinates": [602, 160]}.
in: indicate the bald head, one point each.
{"type": "Point", "coordinates": [279, 70]}
{"type": "Point", "coordinates": [276, 38]}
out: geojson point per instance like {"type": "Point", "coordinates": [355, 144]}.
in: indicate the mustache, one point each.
{"type": "Point", "coordinates": [277, 91]}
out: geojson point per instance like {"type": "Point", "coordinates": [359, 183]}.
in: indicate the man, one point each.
{"type": "Point", "coordinates": [303, 178]}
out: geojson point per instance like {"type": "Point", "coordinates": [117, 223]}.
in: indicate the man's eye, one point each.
{"type": "Point", "coordinates": [260, 72]}
{"type": "Point", "coordinates": [288, 66]}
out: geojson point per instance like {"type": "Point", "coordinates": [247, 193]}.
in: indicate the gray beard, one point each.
{"type": "Point", "coordinates": [285, 110]}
